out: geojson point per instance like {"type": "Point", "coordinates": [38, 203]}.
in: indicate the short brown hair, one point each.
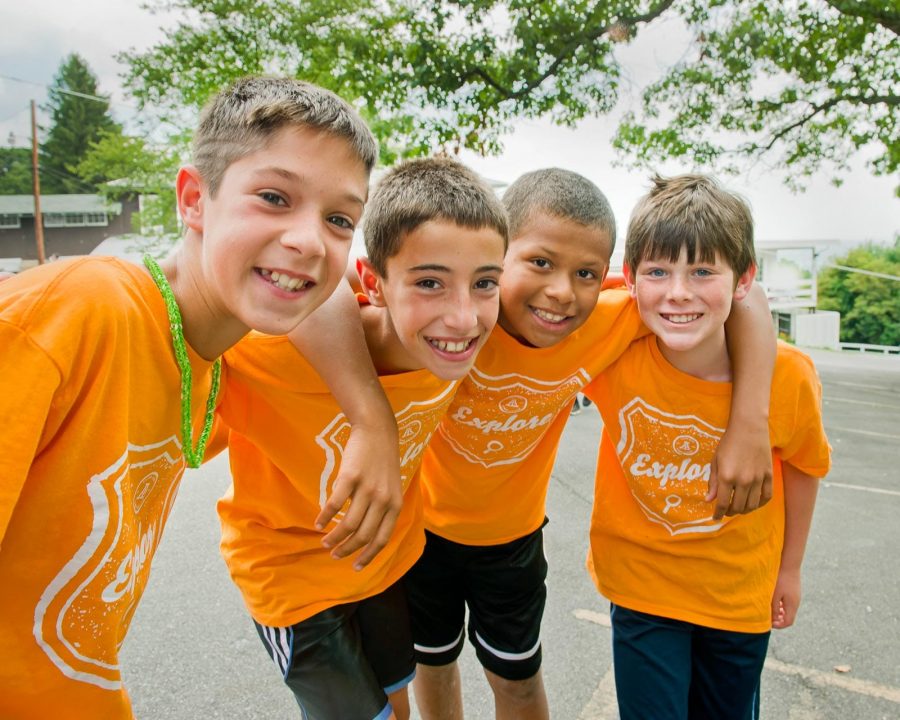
{"type": "Point", "coordinates": [696, 213]}
{"type": "Point", "coordinates": [242, 118]}
{"type": "Point", "coordinates": [562, 193]}
{"type": "Point", "coordinates": [417, 191]}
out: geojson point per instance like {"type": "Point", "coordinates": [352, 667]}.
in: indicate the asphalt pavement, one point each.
{"type": "Point", "coordinates": [193, 653]}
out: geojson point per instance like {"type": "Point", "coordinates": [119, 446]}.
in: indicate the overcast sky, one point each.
{"type": "Point", "coordinates": [36, 36]}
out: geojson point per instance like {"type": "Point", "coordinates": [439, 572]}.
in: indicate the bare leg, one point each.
{"type": "Point", "coordinates": [400, 703]}
{"type": "Point", "coordinates": [439, 692]}
{"type": "Point", "coordinates": [519, 699]}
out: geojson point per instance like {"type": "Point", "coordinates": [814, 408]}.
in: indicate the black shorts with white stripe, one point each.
{"type": "Point", "coordinates": [344, 661]}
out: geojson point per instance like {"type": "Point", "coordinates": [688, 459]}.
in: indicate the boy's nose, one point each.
{"type": "Point", "coordinates": [306, 238]}
{"type": "Point", "coordinates": [561, 290]}
{"type": "Point", "coordinates": [679, 288]}
{"type": "Point", "coordinates": [461, 315]}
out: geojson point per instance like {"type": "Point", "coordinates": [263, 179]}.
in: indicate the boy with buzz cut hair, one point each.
{"type": "Point", "coordinates": [486, 471]}
{"type": "Point", "coordinates": [435, 237]}
{"type": "Point", "coordinates": [694, 596]}
{"type": "Point", "coordinates": [110, 377]}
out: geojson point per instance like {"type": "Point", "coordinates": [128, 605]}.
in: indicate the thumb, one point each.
{"type": "Point", "coordinates": [713, 488]}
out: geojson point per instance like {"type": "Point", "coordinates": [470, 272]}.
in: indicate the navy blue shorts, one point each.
{"type": "Point", "coordinates": [344, 661]}
{"type": "Point", "coordinates": [672, 670]}
{"type": "Point", "coordinates": [504, 589]}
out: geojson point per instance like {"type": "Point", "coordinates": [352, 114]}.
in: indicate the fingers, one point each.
{"type": "Point", "coordinates": [739, 495]}
{"type": "Point", "coordinates": [340, 494]}
{"type": "Point", "coordinates": [377, 544]}
{"type": "Point", "coordinates": [778, 613]}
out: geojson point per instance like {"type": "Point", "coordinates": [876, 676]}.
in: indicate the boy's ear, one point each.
{"type": "Point", "coordinates": [744, 283]}
{"type": "Point", "coordinates": [189, 192]}
{"type": "Point", "coordinates": [629, 278]}
{"type": "Point", "coordinates": [370, 281]}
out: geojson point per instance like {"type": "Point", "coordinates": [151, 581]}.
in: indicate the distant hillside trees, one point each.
{"type": "Point", "coordinates": [15, 171]}
{"type": "Point", "coordinates": [869, 305]}
{"type": "Point", "coordinates": [78, 119]}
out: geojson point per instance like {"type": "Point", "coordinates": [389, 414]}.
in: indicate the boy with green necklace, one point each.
{"type": "Point", "coordinates": [110, 377]}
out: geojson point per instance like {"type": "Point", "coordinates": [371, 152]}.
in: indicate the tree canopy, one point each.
{"type": "Point", "coordinates": [804, 84]}
{"type": "Point", "coordinates": [15, 171]}
{"type": "Point", "coordinates": [78, 119]}
{"type": "Point", "coordinates": [869, 304]}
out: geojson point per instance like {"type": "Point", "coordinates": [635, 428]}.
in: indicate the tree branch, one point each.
{"type": "Point", "coordinates": [567, 50]}
{"type": "Point", "coordinates": [884, 16]}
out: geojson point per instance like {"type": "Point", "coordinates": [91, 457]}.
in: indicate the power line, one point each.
{"type": "Point", "coordinates": [60, 90]}
{"type": "Point", "coordinates": [847, 268]}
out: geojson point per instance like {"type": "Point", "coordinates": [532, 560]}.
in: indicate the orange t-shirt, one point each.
{"type": "Point", "coordinates": [486, 471]}
{"type": "Point", "coordinates": [287, 437]}
{"type": "Point", "coordinates": [654, 545]}
{"type": "Point", "coordinates": [90, 461]}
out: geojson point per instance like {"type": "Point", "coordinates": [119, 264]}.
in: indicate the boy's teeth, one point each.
{"type": "Point", "coordinates": [548, 316]}
{"type": "Point", "coordinates": [284, 281]}
{"type": "Point", "coordinates": [682, 318]}
{"type": "Point", "coordinates": [453, 347]}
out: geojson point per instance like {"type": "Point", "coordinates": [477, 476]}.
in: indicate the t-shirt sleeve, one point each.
{"type": "Point", "coordinates": [806, 446]}
{"type": "Point", "coordinates": [28, 381]}
{"type": "Point", "coordinates": [613, 326]}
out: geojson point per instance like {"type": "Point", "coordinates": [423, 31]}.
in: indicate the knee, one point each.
{"type": "Point", "coordinates": [520, 692]}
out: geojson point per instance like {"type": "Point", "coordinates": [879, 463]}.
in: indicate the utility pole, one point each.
{"type": "Point", "coordinates": [36, 180]}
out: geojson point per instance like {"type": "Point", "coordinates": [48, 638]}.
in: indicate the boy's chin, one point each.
{"type": "Point", "coordinates": [443, 372]}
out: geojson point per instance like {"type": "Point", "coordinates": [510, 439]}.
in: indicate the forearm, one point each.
{"type": "Point", "coordinates": [333, 342]}
{"type": "Point", "coordinates": [751, 346]}
{"type": "Point", "coordinates": [800, 492]}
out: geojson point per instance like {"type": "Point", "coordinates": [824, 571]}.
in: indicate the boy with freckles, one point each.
{"type": "Point", "coordinates": [110, 377]}
{"type": "Point", "coordinates": [435, 238]}
{"type": "Point", "coordinates": [694, 597]}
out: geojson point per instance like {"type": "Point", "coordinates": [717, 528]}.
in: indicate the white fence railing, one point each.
{"type": "Point", "coordinates": [864, 348]}
{"type": "Point", "coordinates": [797, 294]}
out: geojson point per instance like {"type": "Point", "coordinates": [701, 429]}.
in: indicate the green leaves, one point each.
{"type": "Point", "coordinates": [804, 85]}
{"type": "Point", "coordinates": [869, 306]}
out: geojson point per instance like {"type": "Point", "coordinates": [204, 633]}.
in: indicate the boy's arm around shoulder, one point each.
{"type": "Point", "coordinates": [741, 473]}
{"type": "Point", "coordinates": [332, 340]}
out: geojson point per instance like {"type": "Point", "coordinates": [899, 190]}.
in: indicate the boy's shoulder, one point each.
{"type": "Point", "coordinates": [790, 361]}
{"type": "Point", "coordinates": [86, 282]}
{"type": "Point", "coordinates": [69, 298]}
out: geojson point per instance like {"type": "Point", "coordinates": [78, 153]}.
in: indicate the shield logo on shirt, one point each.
{"type": "Point", "coordinates": [666, 459]}
{"type": "Point", "coordinates": [94, 596]}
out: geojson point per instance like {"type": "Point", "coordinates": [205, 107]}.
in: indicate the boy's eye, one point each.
{"type": "Point", "coordinates": [487, 284]}
{"type": "Point", "coordinates": [273, 198]}
{"type": "Point", "coordinates": [428, 284]}
{"type": "Point", "coordinates": [703, 272]}
{"type": "Point", "coordinates": [656, 272]}
{"type": "Point", "coordinates": [585, 274]}
{"type": "Point", "coordinates": [341, 221]}
{"type": "Point", "coordinates": [540, 262]}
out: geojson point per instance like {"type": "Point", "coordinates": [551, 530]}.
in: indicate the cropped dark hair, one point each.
{"type": "Point", "coordinates": [562, 193]}
{"type": "Point", "coordinates": [418, 191]}
{"type": "Point", "coordinates": [242, 118]}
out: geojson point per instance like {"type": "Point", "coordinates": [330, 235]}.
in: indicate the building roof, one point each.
{"type": "Point", "coordinates": [24, 204]}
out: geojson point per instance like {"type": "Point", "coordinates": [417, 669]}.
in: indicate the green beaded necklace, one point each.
{"type": "Point", "coordinates": [193, 454]}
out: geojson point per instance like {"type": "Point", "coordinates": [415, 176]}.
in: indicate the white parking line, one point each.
{"type": "Point", "coordinates": [862, 432]}
{"type": "Point", "coordinates": [880, 491]}
{"type": "Point", "coordinates": [861, 402]}
{"type": "Point", "coordinates": [862, 687]}
{"type": "Point", "coordinates": [599, 702]}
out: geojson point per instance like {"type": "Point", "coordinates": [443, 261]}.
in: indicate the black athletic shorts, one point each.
{"type": "Point", "coordinates": [502, 586]}
{"type": "Point", "coordinates": [344, 661]}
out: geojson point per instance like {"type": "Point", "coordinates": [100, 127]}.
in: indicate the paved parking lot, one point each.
{"type": "Point", "coordinates": [192, 652]}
